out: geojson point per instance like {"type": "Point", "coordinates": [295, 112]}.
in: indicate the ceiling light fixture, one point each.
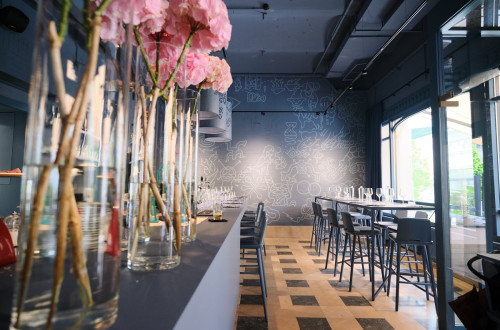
{"type": "Point", "coordinates": [265, 8]}
{"type": "Point", "coordinates": [263, 113]}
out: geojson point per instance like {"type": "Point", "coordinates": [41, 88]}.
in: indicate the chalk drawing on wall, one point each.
{"type": "Point", "coordinates": [286, 159]}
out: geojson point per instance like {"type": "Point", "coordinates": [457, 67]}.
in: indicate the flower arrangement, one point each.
{"type": "Point", "coordinates": [193, 28]}
{"type": "Point", "coordinates": [166, 34]}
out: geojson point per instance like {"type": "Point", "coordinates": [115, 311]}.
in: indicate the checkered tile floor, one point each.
{"type": "Point", "coordinates": [303, 295]}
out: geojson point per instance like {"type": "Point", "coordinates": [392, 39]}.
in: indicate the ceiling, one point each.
{"type": "Point", "coordinates": [331, 38]}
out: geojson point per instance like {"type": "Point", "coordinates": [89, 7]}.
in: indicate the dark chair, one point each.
{"type": "Point", "coordinates": [250, 228]}
{"type": "Point", "coordinates": [256, 243]}
{"type": "Point", "coordinates": [412, 232]}
{"type": "Point", "coordinates": [353, 235]}
{"type": "Point", "coordinates": [335, 236]}
{"type": "Point", "coordinates": [322, 226]}
{"type": "Point", "coordinates": [314, 232]}
{"type": "Point", "coordinates": [252, 219]}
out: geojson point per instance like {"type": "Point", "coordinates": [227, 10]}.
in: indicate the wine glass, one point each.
{"type": "Point", "coordinates": [346, 191]}
{"type": "Point", "coordinates": [379, 194]}
{"type": "Point", "coordinates": [390, 194]}
{"type": "Point", "coordinates": [402, 194]}
{"type": "Point", "coordinates": [367, 193]}
{"type": "Point", "coordinates": [338, 189]}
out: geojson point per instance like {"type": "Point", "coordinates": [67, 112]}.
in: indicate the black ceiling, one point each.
{"type": "Point", "coordinates": [334, 39]}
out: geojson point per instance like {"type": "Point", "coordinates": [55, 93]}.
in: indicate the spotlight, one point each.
{"type": "Point", "coordinates": [317, 113]}
{"type": "Point", "coordinates": [364, 72]}
{"type": "Point", "coordinates": [263, 113]}
{"type": "Point", "coordinates": [14, 19]}
{"type": "Point", "coordinates": [350, 87]}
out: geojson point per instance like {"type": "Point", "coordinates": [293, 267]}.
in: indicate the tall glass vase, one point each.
{"type": "Point", "coordinates": [69, 262]}
{"type": "Point", "coordinates": [154, 193]}
{"type": "Point", "coordinates": [188, 111]}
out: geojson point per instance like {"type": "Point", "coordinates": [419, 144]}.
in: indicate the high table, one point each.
{"type": "Point", "coordinates": [201, 293]}
{"type": "Point", "coordinates": [374, 208]}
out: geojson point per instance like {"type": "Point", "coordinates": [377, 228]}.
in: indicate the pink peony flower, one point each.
{"type": "Point", "coordinates": [207, 18]}
{"type": "Point", "coordinates": [218, 76]}
{"type": "Point", "coordinates": [148, 14]}
{"type": "Point", "coordinates": [193, 70]}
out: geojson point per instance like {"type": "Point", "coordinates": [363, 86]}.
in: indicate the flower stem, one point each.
{"type": "Point", "coordinates": [63, 24]}
{"type": "Point", "coordinates": [179, 61]}
{"type": "Point", "coordinates": [145, 56]}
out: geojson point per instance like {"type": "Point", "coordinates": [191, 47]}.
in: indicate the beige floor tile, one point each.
{"type": "Point", "coordinates": [415, 312]}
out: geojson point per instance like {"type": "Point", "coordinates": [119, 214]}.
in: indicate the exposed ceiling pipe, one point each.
{"type": "Point", "coordinates": [334, 33]}
{"type": "Point", "coordinates": [377, 54]}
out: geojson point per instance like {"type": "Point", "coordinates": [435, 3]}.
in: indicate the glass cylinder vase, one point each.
{"type": "Point", "coordinates": [69, 260]}
{"type": "Point", "coordinates": [154, 193]}
{"type": "Point", "coordinates": [188, 112]}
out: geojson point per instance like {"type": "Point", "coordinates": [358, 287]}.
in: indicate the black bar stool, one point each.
{"type": "Point", "coordinates": [322, 226]}
{"type": "Point", "coordinates": [256, 242]}
{"type": "Point", "coordinates": [335, 235]}
{"type": "Point", "coordinates": [352, 235]}
{"type": "Point", "coordinates": [417, 233]}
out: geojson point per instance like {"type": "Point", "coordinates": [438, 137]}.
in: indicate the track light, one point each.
{"type": "Point", "coordinates": [263, 113]}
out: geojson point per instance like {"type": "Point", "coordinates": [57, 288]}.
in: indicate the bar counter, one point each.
{"type": "Point", "coordinates": [201, 293]}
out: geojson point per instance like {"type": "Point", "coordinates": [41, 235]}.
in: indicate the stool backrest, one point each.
{"type": "Point", "coordinates": [260, 209]}
{"type": "Point", "coordinates": [317, 209]}
{"type": "Point", "coordinates": [400, 214]}
{"type": "Point", "coordinates": [421, 215]}
{"type": "Point", "coordinates": [332, 217]}
{"type": "Point", "coordinates": [414, 231]}
{"type": "Point", "coordinates": [347, 219]}
{"type": "Point", "coordinates": [262, 228]}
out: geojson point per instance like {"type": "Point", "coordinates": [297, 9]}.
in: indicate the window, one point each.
{"type": "Point", "coordinates": [407, 163]}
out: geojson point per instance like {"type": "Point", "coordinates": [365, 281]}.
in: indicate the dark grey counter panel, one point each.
{"type": "Point", "coordinates": [201, 293]}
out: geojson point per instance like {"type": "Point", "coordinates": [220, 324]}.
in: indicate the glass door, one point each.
{"type": "Point", "coordinates": [470, 44]}
{"type": "Point", "coordinates": [466, 195]}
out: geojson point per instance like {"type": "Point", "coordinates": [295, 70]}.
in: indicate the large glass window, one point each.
{"type": "Point", "coordinates": [410, 156]}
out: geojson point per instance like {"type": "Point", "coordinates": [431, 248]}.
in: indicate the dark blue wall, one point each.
{"type": "Point", "coordinates": [286, 158]}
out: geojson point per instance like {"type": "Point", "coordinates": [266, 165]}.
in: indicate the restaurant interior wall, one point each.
{"type": "Point", "coordinates": [15, 70]}
{"type": "Point", "coordinates": [285, 150]}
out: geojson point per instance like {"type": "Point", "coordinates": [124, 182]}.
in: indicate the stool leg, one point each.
{"type": "Point", "coordinates": [361, 255]}
{"type": "Point", "coordinates": [426, 268]}
{"type": "Point", "coordinates": [261, 266]}
{"type": "Point", "coordinates": [338, 238]}
{"type": "Point", "coordinates": [353, 250]}
{"type": "Point", "coordinates": [313, 231]}
{"type": "Point", "coordinates": [431, 273]}
{"type": "Point", "coordinates": [329, 245]}
{"type": "Point", "coordinates": [262, 282]}
{"type": "Point", "coordinates": [416, 261]}
{"type": "Point", "coordinates": [398, 273]}
{"type": "Point", "coordinates": [381, 258]}
{"type": "Point", "coordinates": [390, 259]}
{"type": "Point", "coordinates": [343, 256]}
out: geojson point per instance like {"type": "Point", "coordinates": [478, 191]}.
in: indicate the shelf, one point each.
{"type": "Point", "coordinates": [10, 175]}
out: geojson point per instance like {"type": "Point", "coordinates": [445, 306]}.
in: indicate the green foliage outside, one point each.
{"type": "Point", "coordinates": [422, 170]}
{"type": "Point", "coordinates": [459, 197]}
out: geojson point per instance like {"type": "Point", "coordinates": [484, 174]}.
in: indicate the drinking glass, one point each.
{"type": "Point", "coordinates": [346, 191]}
{"type": "Point", "coordinates": [218, 210]}
{"type": "Point", "coordinates": [402, 194]}
{"type": "Point", "coordinates": [367, 194]}
{"type": "Point", "coordinates": [379, 194]}
{"type": "Point", "coordinates": [338, 189]}
{"type": "Point", "coordinates": [390, 194]}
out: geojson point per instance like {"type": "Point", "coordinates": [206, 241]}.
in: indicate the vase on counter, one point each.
{"type": "Point", "coordinates": [69, 255]}
{"type": "Point", "coordinates": [155, 193]}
